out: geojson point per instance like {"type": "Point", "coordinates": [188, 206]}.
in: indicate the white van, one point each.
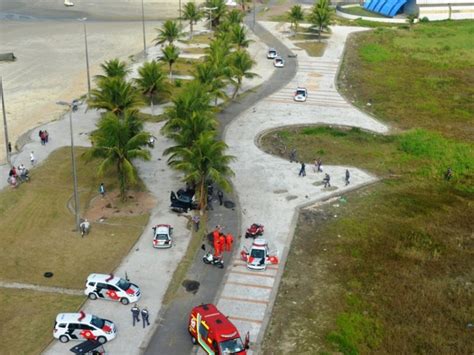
{"type": "Point", "coordinates": [82, 326]}
{"type": "Point", "coordinates": [112, 288]}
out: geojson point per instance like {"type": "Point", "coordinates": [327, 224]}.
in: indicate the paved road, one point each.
{"type": "Point", "coordinates": [169, 336]}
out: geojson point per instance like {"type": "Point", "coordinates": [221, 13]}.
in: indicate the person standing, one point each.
{"type": "Point", "coordinates": [196, 220]}
{"type": "Point", "coordinates": [102, 189]}
{"type": "Point", "coordinates": [293, 155]}
{"type": "Point", "coordinates": [302, 170]}
{"type": "Point", "coordinates": [229, 240]}
{"type": "Point", "coordinates": [220, 195]}
{"type": "Point", "coordinates": [9, 147]}
{"type": "Point", "coordinates": [135, 314]}
{"type": "Point", "coordinates": [32, 158]}
{"type": "Point", "coordinates": [348, 176]}
{"type": "Point", "coordinates": [319, 164]}
{"type": "Point", "coordinates": [221, 243]}
{"type": "Point", "coordinates": [46, 136]}
{"type": "Point", "coordinates": [327, 180]}
{"type": "Point", "coordinates": [145, 317]}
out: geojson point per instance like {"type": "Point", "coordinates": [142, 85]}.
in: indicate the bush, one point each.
{"type": "Point", "coordinates": [424, 19]}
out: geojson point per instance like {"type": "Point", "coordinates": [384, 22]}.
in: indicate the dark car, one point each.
{"type": "Point", "coordinates": [182, 201]}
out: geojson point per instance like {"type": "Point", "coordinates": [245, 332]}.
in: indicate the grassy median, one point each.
{"type": "Point", "coordinates": [389, 268]}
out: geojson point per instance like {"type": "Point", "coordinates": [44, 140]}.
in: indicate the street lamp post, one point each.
{"type": "Point", "coordinates": [210, 9]}
{"type": "Point", "coordinates": [5, 122]}
{"type": "Point", "coordinates": [143, 26]}
{"type": "Point", "coordinates": [73, 159]}
{"type": "Point", "coordinates": [179, 15]}
{"type": "Point", "coordinates": [83, 20]}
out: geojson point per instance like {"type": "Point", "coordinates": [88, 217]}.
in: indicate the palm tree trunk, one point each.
{"type": "Point", "coordinates": [152, 105]}
{"type": "Point", "coordinates": [237, 87]}
{"type": "Point", "coordinates": [171, 72]}
{"type": "Point", "coordinates": [202, 197]}
{"type": "Point", "coordinates": [122, 181]}
{"type": "Point", "coordinates": [191, 28]}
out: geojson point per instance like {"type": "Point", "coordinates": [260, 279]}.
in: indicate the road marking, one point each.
{"type": "Point", "coordinates": [248, 285]}
{"type": "Point", "coordinates": [238, 262]}
{"type": "Point", "coordinates": [251, 274]}
{"type": "Point", "coordinates": [243, 300]}
{"type": "Point", "coordinates": [249, 320]}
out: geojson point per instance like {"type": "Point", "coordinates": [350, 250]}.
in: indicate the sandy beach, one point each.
{"type": "Point", "coordinates": [50, 53]}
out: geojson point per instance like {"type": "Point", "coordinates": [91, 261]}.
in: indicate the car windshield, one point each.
{"type": "Point", "coordinates": [301, 92]}
{"type": "Point", "coordinates": [257, 253]}
{"type": "Point", "coordinates": [123, 284]}
{"type": "Point", "coordinates": [231, 346]}
{"type": "Point", "coordinates": [161, 237]}
{"type": "Point", "coordinates": [97, 322]}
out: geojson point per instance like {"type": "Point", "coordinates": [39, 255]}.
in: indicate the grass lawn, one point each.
{"type": "Point", "coordinates": [185, 66]}
{"type": "Point", "coordinates": [314, 49]}
{"type": "Point", "coordinates": [195, 50]}
{"type": "Point", "coordinates": [391, 269]}
{"type": "Point", "coordinates": [37, 228]}
{"type": "Point", "coordinates": [146, 117]}
{"type": "Point", "coordinates": [28, 318]}
{"type": "Point", "coordinates": [360, 11]}
{"type": "Point", "coordinates": [203, 38]}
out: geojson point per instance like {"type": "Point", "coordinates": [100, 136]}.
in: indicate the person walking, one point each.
{"type": "Point", "coordinates": [327, 180]}
{"type": "Point", "coordinates": [348, 176]}
{"type": "Point", "coordinates": [319, 165]}
{"type": "Point", "coordinates": [102, 189]}
{"type": "Point", "coordinates": [220, 195]}
{"type": "Point", "coordinates": [145, 317]}
{"type": "Point", "coordinates": [293, 155]}
{"type": "Point", "coordinates": [302, 170]}
{"type": "Point", "coordinates": [196, 220]}
{"type": "Point", "coordinates": [135, 314]}
{"type": "Point", "coordinates": [32, 158]}
{"type": "Point", "coordinates": [229, 240]}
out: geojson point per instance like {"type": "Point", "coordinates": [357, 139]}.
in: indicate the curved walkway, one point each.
{"type": "Point", "coordinates": [269, 189]}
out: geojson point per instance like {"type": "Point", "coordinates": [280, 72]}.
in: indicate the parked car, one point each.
{"type": "Point", "coordinates": [182, 202]}
{"type": "Point", "coordinates": [259, 255]}
{"type": "Point", "coordinates": [82, 326]}
{"type": "Point", "coordinates": [112, 288]}
{"type": "Point", "coordinates": [279, 62]}
{"type": "Point", "coordinates": [272, 53]}
{"type": "Point", "coordinates": [300, 94]}
{"type": "Point", "coordinates": [162, 236]}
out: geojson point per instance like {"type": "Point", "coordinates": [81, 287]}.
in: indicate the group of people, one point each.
{"type": "Point", "coordinates": [222, 242]}
{"type": "Point", "coordinates": [44, 136]}
{"type": "Point", "coordinates": [17, 175]}
{"type": "Point", "coordinates": [136, 312]}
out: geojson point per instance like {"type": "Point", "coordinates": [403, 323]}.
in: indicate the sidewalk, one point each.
{"type": "Point", "coordinates": [269, 189]}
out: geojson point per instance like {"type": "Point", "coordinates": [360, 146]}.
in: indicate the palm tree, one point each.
{"type": "Point", "coordinates": [151, 81]}
{"type": "Point", "coordinates": [113, 68]}
{"type": "Point", "coordinates": [115, 95]}
{"type": "Point", "coordinates": [205, 160]}
{"type": "Point", "coordinates": [220, 9]}
{"type": "Point", "coordinates": [320, 16]}
{"type": "Point", "coordinates": [170, 32]}
{"type": "Point", "coordinates": [118, 142]}
{"type": "Point", "coordinates": [213, 78]}
{"type": "Point", "coordinates": [234, 16]}
{"type": "Point", "coordinates": [192, 14]}
{"type": "Point", "coordinates": [241, 63]}
{"type": "Point", "coordinates": [238, 36]}
{"type": "Point", "coordinates": [194, 98]}
{"type": "Point", "coordinates": [170, 56]}
{"type": "Point", "coordinates": [296, 15]}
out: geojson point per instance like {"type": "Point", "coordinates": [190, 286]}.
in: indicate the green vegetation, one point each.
{"type": "Point", "coordinates": [360, 11]}
{"type": "Point", "coordinates": [419, 78]}
{"type": "Point", "coordinates": [314, 49]}
{"type": "Point", "coordinates": [30, 232]}
{"type": "Point", "coordinates": [28, 318]}
{"type": "Point", "coordinates": [387, 269]}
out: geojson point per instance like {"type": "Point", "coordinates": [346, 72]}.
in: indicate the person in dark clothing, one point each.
{"type": "Point", "coordinates": [302, 170]}
{"type": "Point", "coordinates": [220, 195]}
{"type": "Point", "coordinates": [9, 147]}
{"type": "Point", "coordinates": [293, 155]}
{"type": "Point", "coordinates": [319, 163]}
{"type": "Point", "coordinates": [448, 175]}
{"type": "Point", "coordinates": [135, 314]}
{"type": "Point", "coordinates": [348, 176]}
{"type": "Point", "coordinates": [145, 317]}
{"type": "Point", "coordinates": [327, 180]}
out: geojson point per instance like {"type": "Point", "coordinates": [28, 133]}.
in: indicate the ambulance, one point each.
{"type": "Point", "coordinates": [214, 332]}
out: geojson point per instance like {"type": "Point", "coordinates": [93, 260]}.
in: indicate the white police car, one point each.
{"type": "Point", "coordinates": [278, 62]}
{"type": "Point", "coordinates": [272, 53]}
{"type": "Point", "coordinates": [82, 326]}
{"type": "Point", "coordinates": [112, 288]}
{"type": "Point", "coordinates": [162, 236]}
{"type": "Point", "coordinates": [300, 94]}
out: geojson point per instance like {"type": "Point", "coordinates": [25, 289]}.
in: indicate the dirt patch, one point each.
{"type": "Point", "coordinates": [110, 205]}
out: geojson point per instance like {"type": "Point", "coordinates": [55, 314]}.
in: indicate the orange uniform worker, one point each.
{"type": "Point", "coordinates": [216, 242]}
{"type": "Point", "coordinates": [221, 243]}
{"type": "Point", "coordinates": [229, 240]}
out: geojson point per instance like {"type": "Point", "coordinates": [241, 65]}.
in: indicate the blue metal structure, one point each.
{"type": "Point", "coordinates": [385, 7]}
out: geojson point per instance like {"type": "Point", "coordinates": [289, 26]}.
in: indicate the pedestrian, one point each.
{"type": "Point", "coordinates": [293, 155]}
{"type": "Point", "coordinates": [32, 158]}
{"type": "Point", "coordinates": [145, 317]}
{"type": "Point", "coordinates": [43, 141]}
{"type": "Point", "coordinates": [221, 243]}
{"type": "Point", "coordinates": [135, 314]}
{"type": "Point", "coordinates": [9, 147]}
{"type": "Point", "coordinates": [40, 134]}
{"type": "Point", "coordinates": [215, 240]}
{"type": "Point", "coordinates": [220, 195]}
{"type": "Point", "coordinates": [229, 240]}
{"type": "Point", "coordinates": [196, 220]}
{"type": "Point", "coordinates": [327, 180]}
{"type": "Point", "coordinates": [46, 136]}
{"type": "Point", "coordinates": [448, 175]}
{"type": "Point", "coordinates": [102, 189]}
{"type": "Point", "coordinates": [320, 165]}
{"type": "Point", "coordinates": [209, 203]}
{"type": "Point", "coordinates": [348, 176]}
{"type": "Point", "coordinates": [302, 170]}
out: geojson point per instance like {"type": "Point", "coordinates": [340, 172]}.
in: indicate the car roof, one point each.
{"type": "Point", "coordinates": [103, 278]}
{"type": "Point", "coordinates": [73, 317]}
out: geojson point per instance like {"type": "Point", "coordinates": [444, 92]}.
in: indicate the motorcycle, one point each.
{"type": "Point", "coordinates": [254, 231]}
{"type": "Point", "coordinates": [212, 260]}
